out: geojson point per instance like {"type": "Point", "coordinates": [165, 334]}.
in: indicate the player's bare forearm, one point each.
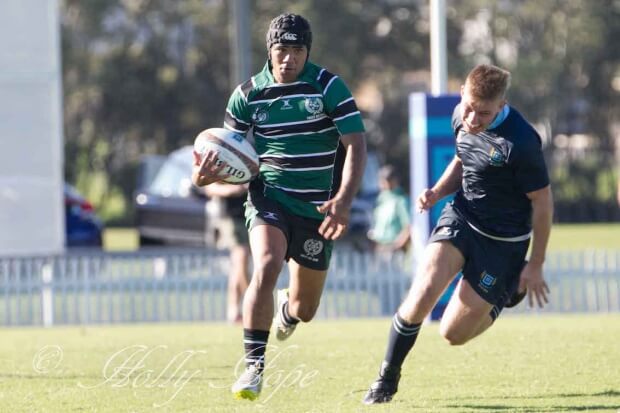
{"type": "Point", "coordinates": [542, 218]}
{"type": "Point", "coordinates": [450, 180]}
{"type": "Point", "coordinates": [353, 169]}
{"type": "Point", "coordinates": [336, 210]}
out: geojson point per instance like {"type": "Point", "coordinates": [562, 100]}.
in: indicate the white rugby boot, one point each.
{"type": "Point", "coordinates": [249, 384]}
{"type": "Point", "coordinates": [283, 329]}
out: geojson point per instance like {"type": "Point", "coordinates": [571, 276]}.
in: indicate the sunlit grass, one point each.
{"type": "Point", "coordinates": [522, 364]}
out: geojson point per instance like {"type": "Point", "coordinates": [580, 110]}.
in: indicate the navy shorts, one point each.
{"type": "Point", "coordinates": [492, 267]}
{"type": "Point", "coordinates": [305, 245]}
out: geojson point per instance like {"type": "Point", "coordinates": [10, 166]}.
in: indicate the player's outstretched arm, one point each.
{"type": "Point", "coordinates": [336, 210]}
{"type": "Point", "coordinates": [449, 182]}
{"type": "Point", "coordinates": [532, 276]}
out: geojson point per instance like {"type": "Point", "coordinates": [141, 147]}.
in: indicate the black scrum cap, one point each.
{"type": "Point", "coordinates": [289, 29]}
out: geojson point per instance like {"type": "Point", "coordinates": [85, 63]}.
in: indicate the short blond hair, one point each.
{"type": "Point", "coordinates": [488, 82]}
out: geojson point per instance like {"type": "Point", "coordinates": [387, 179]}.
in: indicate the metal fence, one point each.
{"type": "Point", "coordinates": [88, 287]}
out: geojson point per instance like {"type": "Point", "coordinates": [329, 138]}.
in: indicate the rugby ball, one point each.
{"type": "Point", "coordinates": [232, 148]}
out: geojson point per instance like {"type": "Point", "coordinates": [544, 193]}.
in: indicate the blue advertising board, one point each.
{"type": "Point", "coordinates": [431, 149]}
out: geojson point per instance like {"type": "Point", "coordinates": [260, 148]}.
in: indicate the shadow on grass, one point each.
{"type": "Point", "coordinates": [502, 408]}
{"type": "Point", "coordinates": [610, 393]}
{"type": "Point", "coordinates": [585, 407]}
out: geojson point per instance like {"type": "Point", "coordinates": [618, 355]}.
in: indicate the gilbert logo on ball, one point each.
{"type": "Point", "coordinates": [232, 148]}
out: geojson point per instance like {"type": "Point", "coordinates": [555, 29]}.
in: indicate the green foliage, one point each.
{"type": "Point", "coordinates": [139, 80]}
{"type": "Point", "coordinates": [585, 188]}
{"type": "Point", "coordinates": [145, 76]}
{"type": "Point", "coordinates": [585, 179]}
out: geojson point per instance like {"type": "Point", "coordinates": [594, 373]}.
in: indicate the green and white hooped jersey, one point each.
{"type": "Point", "coordinates": [296, 128]}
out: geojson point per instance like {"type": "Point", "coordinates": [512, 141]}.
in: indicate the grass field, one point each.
{"type": "Point", "coordinates": [563, 237]}
{"type": "Point", "coordinates": [523, 364]}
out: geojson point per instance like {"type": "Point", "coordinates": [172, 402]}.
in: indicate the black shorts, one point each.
{"type": "Point", "coordinates": [492, 267]}
{"type": "Point", "coordinates": [305, 245]}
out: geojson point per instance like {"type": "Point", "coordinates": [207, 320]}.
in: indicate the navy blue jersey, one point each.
{"type": "Point", "coordinates": [500, 166]}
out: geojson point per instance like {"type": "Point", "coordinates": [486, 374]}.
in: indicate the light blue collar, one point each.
{"type": "Point", "coordinates": [501, 116]}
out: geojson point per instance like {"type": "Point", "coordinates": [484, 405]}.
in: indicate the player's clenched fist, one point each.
{"type": "Point", "coordinates": [206, 170]}
{"type": "Point", "coordinates": [426, 199]}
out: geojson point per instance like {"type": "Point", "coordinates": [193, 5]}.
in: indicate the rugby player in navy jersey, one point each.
{"type": "Point", "coordinates": [502, 200]}
{"type": "Point", "coordinates": [299, 113]}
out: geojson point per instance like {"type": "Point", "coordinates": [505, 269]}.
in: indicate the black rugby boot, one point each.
{"type": "Point", "coordinates": [382, 390]}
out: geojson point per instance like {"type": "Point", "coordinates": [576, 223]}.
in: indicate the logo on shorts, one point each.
{"type": "Point", "coordinates": [314, 106]}
{"type": "Point", "coordinates": [486, 281]}
{"type": "Point", "coordinates": [496, 158]}
{"type": "Point", "coordinates": [270, 215]}
{"type": "Point", "coordinates": [312, 248]}
{"type": "Point", "coordinates": [446, 231]}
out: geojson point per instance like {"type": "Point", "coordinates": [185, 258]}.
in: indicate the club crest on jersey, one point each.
{"type": "Point", "coordinates": [496, 158]}
{"type": "Point", "coordinates": [259, 116]}
{"type": "Point", "coordinates": [314, 106]}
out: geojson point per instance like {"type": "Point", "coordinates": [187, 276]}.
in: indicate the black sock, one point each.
{"type": "Point", "coordinates": [494, 313]}
{"type": "Point", "coordinates": [288, 319]}
{"type": "Point", "coordinates": [255, 343]}
{"type": "Point", "coordinates": [402, 338]}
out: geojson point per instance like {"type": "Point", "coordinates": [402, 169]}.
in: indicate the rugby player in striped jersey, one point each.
{"type": "Point", "coordinates": [298, 113]}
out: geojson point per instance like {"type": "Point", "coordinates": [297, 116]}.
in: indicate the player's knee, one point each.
{"type": "Point", "coordinates": [456, 339]}
{"type": "Point", "coordinates": [266, 273]}
{"type": "Point", "coordinates": [453, 336]}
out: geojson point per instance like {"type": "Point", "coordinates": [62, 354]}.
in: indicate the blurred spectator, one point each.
{"type": "Point", "coordinates": [618, 188]}
{"type": "Point", "coordinates": [227, 218]}
{"type": "Point", "coordinates": [391, 217]}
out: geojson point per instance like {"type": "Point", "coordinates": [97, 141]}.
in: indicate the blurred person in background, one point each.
{"type": "Point", "coordinates": [227, 218]}
{"type": "Point", "coordinates": [502, 198]}
{"type": "Point", "coordinates": [618, 189]}
{"type": "Point", "coordinates": [391, 217]}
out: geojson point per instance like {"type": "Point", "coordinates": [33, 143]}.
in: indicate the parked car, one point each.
{"type": "Point", "coordinates": [83, 227]}
{"type": "Point", "coordinates": [170, 210]}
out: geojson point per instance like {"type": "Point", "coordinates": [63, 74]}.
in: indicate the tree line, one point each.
{"type": "Point", "coordinates": [145, 76]}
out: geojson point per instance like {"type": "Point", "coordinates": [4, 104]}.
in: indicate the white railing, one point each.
{"type": "Point", "coordinates": [84, 287]}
